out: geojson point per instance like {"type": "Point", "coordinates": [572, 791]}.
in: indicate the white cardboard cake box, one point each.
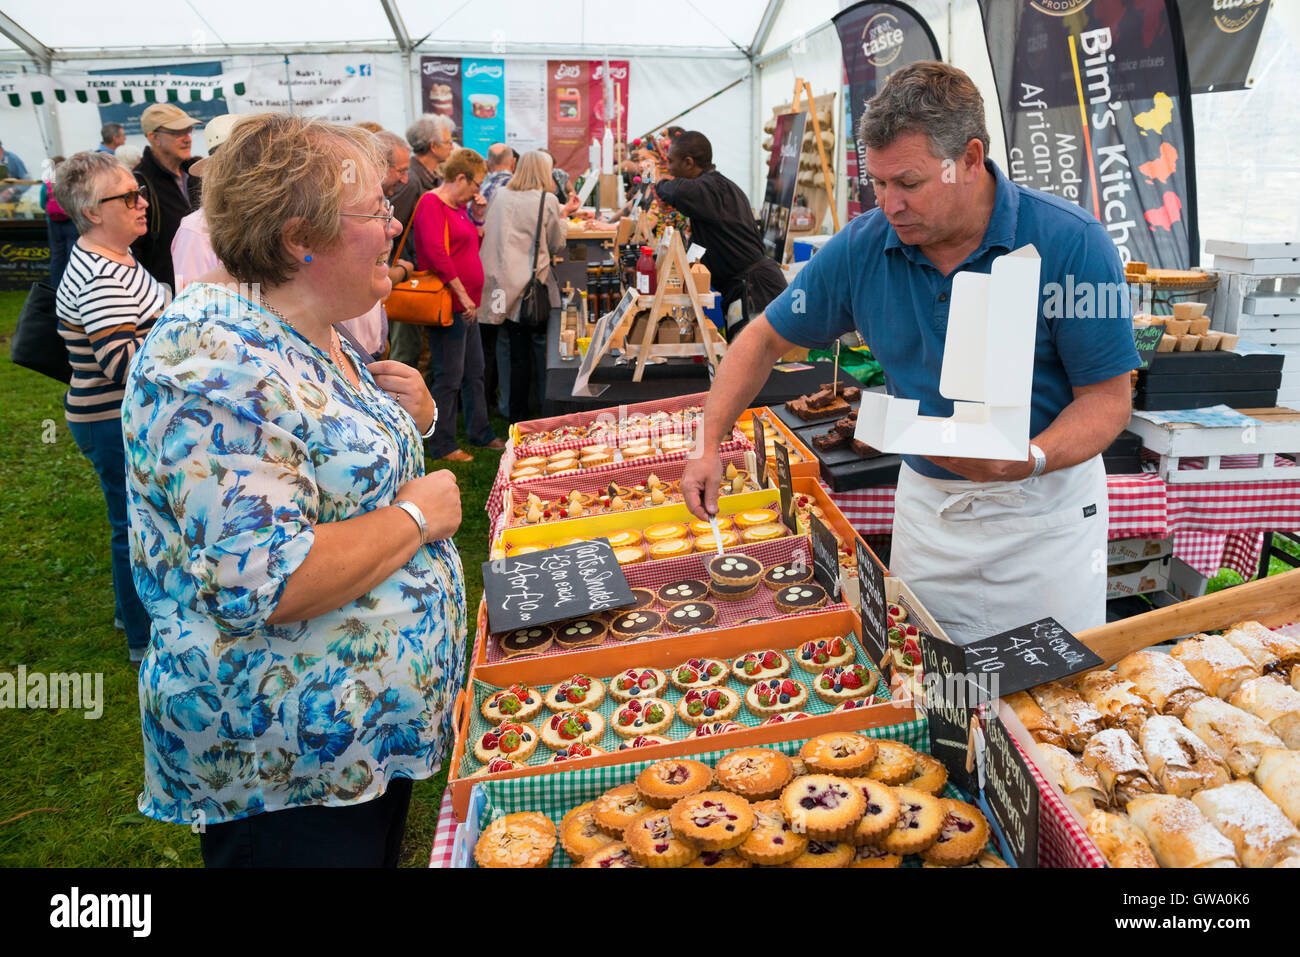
{"type": "Point", "coordinates": [988, 367]}
{"type": "Point", "coordinates": [1122, 550]}
{"type": "Point", "coordinates": [1151, 577]}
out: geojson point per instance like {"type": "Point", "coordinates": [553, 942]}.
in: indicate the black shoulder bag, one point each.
{"type": "Point", "coordinates": [36, 344]}
{"type": "Point", "coordinates": [535, 302]}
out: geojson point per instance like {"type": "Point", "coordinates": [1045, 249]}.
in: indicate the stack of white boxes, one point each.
{"type": "Point", "coordinates": [1258, 298]}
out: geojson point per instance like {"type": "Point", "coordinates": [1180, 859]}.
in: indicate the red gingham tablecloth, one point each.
{"type": "Point", "coordinates": [1215, 525]}
{"type": "Point", "coordinates": [445, 835]}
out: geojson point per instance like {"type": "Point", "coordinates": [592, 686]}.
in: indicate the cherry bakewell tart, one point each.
{"type": "Point", "coordinates": [579, 691]}
{"type": "Point", "coordinates": [642, 716]}
{"type": "Point", "coordinates": [575, 751]}
{"type": "Point", "coordinates": [636, 624]}
{"type": "Point", "coordinates": [920, 821]}
{"type": "Point", "coordinates": [703, 705]}
{"type": "Point", "coordinates": [759, 666]}
{"type": "Point", "coordinates": [516, 840]}
{"type": "Point", "coordinates": [894, 764]}
{"type": "Point", "coordinates": [715, 727]}
{"type": "Point", "coordinates": [516, 703]}
{"type": "Point", "coordinates": [756, 774]}
{"type": "Point", "coordinates": [666, 782]}
{"type": "Point", "coordinates": [652, 841]}
{"type": "Point", "coordinates": [824, 806]}
{"type": "Point", "coordinates": [637, 683]}
{"type": "Point", "coordinates": [713, 820]}
{"type": "Point", "coordinates": [698, 673]}
{"type": "Point", "coordinates": [821, 653]}
{"type": "Point", "coordinates": [842, 682]}
{"type": "Point", "coordinates": [576, 726]}
{"type": "Point", "coordinates": [839, 752]}
{"type": "Point", "coordinates": [616, 807]}
{"type": "Point", "coordinates": [611, 855]}
{"type": "Point", "coordinates": [512, 740]}
{"type": "Point", "coordinates": [719, 859]}
{"type": "Point", "coordinates": [962, 837]}
{"type": "Point", "coordinates": [577, 634]}
{"type": "Point", "coordinates": [773, 841]}
{"type": "Point", "coordinates": [824, 854]}
{"type": "Point", "coordinates": [881, 813]}
{"type": "Point", "coordinates": [643, 741]}
{"type": "Point", "coordinates": [775, 695]}
{"type": "Point", "coordinates": [579, 835]}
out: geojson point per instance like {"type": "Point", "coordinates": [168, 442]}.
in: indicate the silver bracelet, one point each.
{"type": "Point", "coordinates": [413, 510]}
{"type": "Point", "coordinates": [432, 425]}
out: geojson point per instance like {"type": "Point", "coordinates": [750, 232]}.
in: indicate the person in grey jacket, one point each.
{"type": "Point", "coordinates": [505, 253]}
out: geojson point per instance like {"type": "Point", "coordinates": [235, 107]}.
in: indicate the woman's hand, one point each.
{"type": "Point", "coordinates": [572, 205]}
{"type": "Point", "coordinates": [406, 385]}
{"type": "Point", "coordinates": [438, 497]}
{"type": "Point", "coordinates": [467, 308]}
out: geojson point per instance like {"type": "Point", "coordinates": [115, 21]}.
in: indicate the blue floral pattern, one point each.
{"type": "Point", "coordinates": [241, 436]}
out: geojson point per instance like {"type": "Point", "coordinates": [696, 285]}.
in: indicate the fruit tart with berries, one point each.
{"type": "Point", "coordinates": [698, 673]}
{"type": "Point", "coordinates": [760, 666]}
{"type": "Point", "coordinates": [579, 691]}
{"type": "Point", "coordinates": [575, 751]}
{"type": "Point", "coordinates": [703, 705]}
{"type": "Point", "coordinates": [822, 653]}
{"type": "Point", "coordinates": [643, 741]}
{"type": "Point", "coordinates": [512, 740]}
{"type": "Point", "coordinates": [576, 726]}
{"type": "Point", "coordinates": [774, 696]}
{"type": "Point", "coordinates": [519, 702]}
{"type": "Point", "coordinates": [637, 683]}
{"type": "Point", "coordinates": [642, 716]}
{"type": "Point", "coordinates": [841, 683]}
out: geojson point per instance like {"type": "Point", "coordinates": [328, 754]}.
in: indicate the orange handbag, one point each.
{"type": "Point", "coordinates": [422, 299]}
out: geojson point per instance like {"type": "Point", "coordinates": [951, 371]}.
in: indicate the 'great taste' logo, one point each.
{"type": "Point", "coordinates": [882, 39]}
{"type": "Point", "coordinates": [1233, 16]}
{"type": "Point", "coordinates": [1059, 8]}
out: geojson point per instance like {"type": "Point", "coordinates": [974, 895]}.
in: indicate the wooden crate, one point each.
{"type": "Point", "coordinates": [1278, 432]}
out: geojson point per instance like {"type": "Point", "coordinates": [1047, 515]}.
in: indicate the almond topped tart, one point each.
{"type": "Point", "coordinates": [703, 705]}
{"type": "Point", "coordinates": [616, 807]}
{"type": "Point", "coordinates": [826, 807]}
{"type": "Point", "coordinates": [578, 691]}
{"type": "Point", "coordinates": [772, 841]}
{"type": "Point", "coordinates": [579, 835]}
{"type": "Point", "coordinates": [839, 752]}
{"type": "Point", "coordinates": [637, 683]}
{"type": "Point", "coordinates": [713, 820]}
{"type": "Point", "coordinates": [666, 782]}
{"type": "Point", "coordinates": [895, 762]}
{"type": "Point", "coordinates": [576, 726]}
{"type": "Point", "coordinates": [774, 696]}
{"type": "Point", "coordinates": [882, 811]}
{"type": "Point", "coordinates": [611, 855]}
{"type": "Point", "coordinates": [516, 840]}
{"type": "Point", "coordinates": [760, 666]}
{"type": "Point", "coordinates": [519, 702]}
{"type": "Point", "coordinates": [962, 837]}
{"type": "Point", "coordinates": [756, 774]}
{"type": "Point", "coordinates": [919, 824]}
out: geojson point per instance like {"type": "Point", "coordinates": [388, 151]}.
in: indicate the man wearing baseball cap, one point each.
{"type": "Point", "coordinates": [192, 254]}
{"type": "Point", "coordinates": [172, 192]}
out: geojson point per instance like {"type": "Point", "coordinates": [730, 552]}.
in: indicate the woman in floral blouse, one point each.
{"type": "Point", "coordinates": [308, 604]}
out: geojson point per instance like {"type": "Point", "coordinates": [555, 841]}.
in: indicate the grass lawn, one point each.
{"type": "Point", "coordinates": [67, 793]}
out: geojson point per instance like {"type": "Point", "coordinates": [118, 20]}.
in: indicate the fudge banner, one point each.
{"type": "Point", "coordinates": [607, 107]}
{"type": "Point", "coordinates": [1096, 109]}
{"type": "Point", "coordinates": [1221, 36]}
{"type": "Point", "coordinates": [876, 40]}
{"type": "Point", "coordinates": [568, 101]}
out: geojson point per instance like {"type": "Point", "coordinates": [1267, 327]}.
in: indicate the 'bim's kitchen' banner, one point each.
{"type": "Point", "coordinates": [877, 40]}
{"type": "Point", "coordinates": [1096, 109]}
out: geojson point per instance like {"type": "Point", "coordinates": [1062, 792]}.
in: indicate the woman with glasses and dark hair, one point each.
{"type": "Point", "coordinates": [106, 304]}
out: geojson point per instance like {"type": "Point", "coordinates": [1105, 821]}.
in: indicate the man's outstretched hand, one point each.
{"type": "Point", "coordinates": [700, 483]}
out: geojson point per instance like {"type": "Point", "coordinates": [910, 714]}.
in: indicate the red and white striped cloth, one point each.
{"type": "Point", "coordinates": [444, 835]}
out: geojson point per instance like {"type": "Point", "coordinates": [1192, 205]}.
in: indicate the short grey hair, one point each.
{"type": "Point", "coordinates": [108, 132]}
{"type": "Point", "coordinates": [81, 181]}
{"type": "Point", "coordinates": [499, 156]}
{"type": "Point", "coordinates": [926, 97]}
{"type": "Point", "coordinates": [428, 130]}
{"type": "Point", "coordinates": [390, 143]}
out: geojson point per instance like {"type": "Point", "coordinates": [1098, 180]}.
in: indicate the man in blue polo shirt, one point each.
{"type": "Point", "coordinates": [985, 544]}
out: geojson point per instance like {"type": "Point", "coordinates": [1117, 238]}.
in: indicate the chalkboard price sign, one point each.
{"type": "Point", "coordinates": [1147, 339]}
{"type": "Point", "coordinates": [826, 557]}
{"type": "Point", "coordinates": [760, 452]}
{"type": "Point", "coordinates": [553, 585]}
{"type": "Point", "coordinates": [786, 486]}
{"type": "Point", "coordinates": [950, 703]}
{"type": "Point", "coordinates": [1010, 790]}
{"type": "Point", "coordinates": [871, 603]}
{"type": "Point", "coordinates": [1029, 655]}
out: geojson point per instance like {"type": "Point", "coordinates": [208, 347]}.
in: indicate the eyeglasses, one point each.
{"type": "Point", "coordinates": [478, 183]}
{"type": "Point", "coordinates": [131, 198]}
{"type": "Point", "coordinates": [185, 132]}
{"type": "Point", "coordinates": [386, 215]}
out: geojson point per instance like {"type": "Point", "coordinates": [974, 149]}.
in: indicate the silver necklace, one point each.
{"type": "Point", "coordinates": [335, 353]}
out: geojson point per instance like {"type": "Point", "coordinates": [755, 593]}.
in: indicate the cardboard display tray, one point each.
{"type": "Point", "coordinates": [725, 644]}
{"type": "Point", "coordinates": [1212, 382]}
{"type": "Point", "coordinates": [1162, 401]}
{"type": "Point", "coordinates": [844, 470]}
{"type": "Point", "coordinates": [555, 796]}
{"type": "Point", "coordinates": [834, 518]}
{"type": "Point", "coordinates": [1217, 361]}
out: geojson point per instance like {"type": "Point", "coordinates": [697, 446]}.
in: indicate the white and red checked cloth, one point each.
{"type": "Point", "coordinates": [445, 834]}
{"type": "Point", "coordinates": [1215, 525]}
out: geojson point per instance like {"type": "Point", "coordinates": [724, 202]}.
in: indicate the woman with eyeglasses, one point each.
{"type": "Point", "coordinates": [448, 227]}
{"type": "Point", "coordinates": [308, 602]}
{"type": "Point", "coordinates": [107, 302]}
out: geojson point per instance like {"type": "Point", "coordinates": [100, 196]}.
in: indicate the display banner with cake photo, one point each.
{"type": "Point", "coordinates": [440, 88]}
{"type": "Point", "coordinates": [782, 173]}
{"type": "Point", "coordinates": [483, 90]}
{"type": "Point", "coordinates": [1096, 109]}
{"type": "Point", "coordinates": [876, 40]}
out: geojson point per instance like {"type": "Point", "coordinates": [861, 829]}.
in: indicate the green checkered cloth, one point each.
{"type": "Point", "coordinates": [677, 731]}
{"type": "Point", "coordinates": [556, 794]}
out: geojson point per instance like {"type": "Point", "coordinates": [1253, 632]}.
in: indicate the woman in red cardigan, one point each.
{"type": "Point", "coordinates": [448, 225]}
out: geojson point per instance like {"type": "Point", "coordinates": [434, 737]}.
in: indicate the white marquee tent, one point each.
{"type": "Point", "coordinates": [679, 52]}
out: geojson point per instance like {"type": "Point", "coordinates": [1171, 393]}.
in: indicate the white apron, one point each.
{"type": "Point", "coordinates": [984, 557]}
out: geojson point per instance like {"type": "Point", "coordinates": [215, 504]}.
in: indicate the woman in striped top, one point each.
{"type": "Point", "coordinates": [107, 302]}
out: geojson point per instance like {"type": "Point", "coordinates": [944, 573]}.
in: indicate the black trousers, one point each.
{"type": "Point", "coordinates": [358, 835]}
{"type": "Point", "coordinates": [523, 373]}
